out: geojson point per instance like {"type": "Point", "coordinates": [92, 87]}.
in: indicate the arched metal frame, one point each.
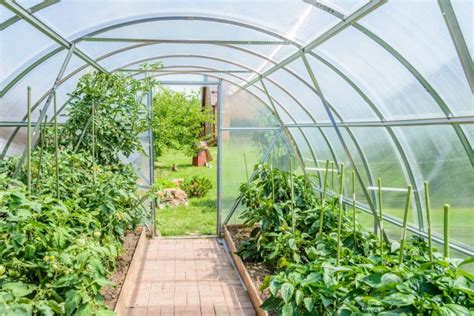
{"type": "Point", "coordinates": [371, 35]}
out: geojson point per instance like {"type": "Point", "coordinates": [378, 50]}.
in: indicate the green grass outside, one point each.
{"type": "Point", "coordinates": [199, 217]}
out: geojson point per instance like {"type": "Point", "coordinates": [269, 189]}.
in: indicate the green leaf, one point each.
{"type": "Point", "coordinates": [308, 303]}
{"type": "Point", "coordinates": [373, 280]}
{"type": "Point", "coordinates": [19, 289]}
{"type": "Point", "coordinates": [467, 261]}
{"type": "Point", "coordinates": [451, 310]}
{"type": "Point", "coordinates": [105, 312]}
{"type": "Point", "coordinates": [287, 310]}
{"type": "Point", "coordinates": [298, 297]}
{"type": "Point", "coordinates": [390, 278]}
{"type": "Point", "coordinates": [292, 244]}
{"type": "Point", "coordinates": [399, 299]}
{"type": "Point", "coordinates": [287, 290]}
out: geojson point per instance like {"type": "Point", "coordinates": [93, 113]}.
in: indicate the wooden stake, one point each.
{"type": "Point", "coordinates": [353, 206]}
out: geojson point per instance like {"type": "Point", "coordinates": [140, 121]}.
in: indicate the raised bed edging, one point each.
{"type": "Point", "coordinates": [132, 274]}
{"type": "Point", "coordinates": [239, 264]}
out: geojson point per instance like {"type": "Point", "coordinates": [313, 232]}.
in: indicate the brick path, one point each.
{"type": "Point", "coordinates": [188, 277]}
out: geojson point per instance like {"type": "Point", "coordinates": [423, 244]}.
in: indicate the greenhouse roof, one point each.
{"type": "Point", "coordinates": [386, 86]}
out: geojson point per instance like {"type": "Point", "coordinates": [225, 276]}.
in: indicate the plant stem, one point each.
{"type": "Point", "coordinates": [354, 207]}
{"type": "Point", "coordinates": [446, 208]}
{"type": "Point", "coordinates": [379, 186]}
{"type": "Point", "coordinates": [339, 224]}
{"type": "Point", "coordinates": [428, 217]}
{"type": "Point", "coordinates": [246, 168]}
{"type": "Point", "coordinates": [405, 221]}
{"type": "Point", "coordinates": [56, 145]}
{"type": "Point", "coordinates": [323, 202]}
{"type": "Point", "coordinates": [28, 137]}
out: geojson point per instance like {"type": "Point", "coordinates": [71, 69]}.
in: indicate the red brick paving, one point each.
{"type": "Point", "coordinates": [181, 276]}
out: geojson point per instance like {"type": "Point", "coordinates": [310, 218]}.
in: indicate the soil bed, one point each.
{"type": "Point", "coordinates": [111, 293]}
{"type": "Point", "coordinates": [257, 270]}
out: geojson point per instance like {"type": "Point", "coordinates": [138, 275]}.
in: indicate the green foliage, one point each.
{"type": "Point", "coordinates": [119, 119]}
{"type": "Point", "coordinates": [57, 255]}
{"type": "Point", "coordinates": [177, 121]}
{"type": "Point", "coordinates": [308, 280]}
{"type": "Point", "coordinates": [196, 186]}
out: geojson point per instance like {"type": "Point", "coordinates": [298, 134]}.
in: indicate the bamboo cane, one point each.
{"type": "Point", "coordinates": [379, 186]}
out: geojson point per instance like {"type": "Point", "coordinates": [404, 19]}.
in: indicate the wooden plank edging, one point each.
{"type": "Point", "coordinates": [129, 283]}
{"type": "Point", "coordinates": [253, 292]}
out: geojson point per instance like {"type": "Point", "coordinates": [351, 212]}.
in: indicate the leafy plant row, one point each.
{"type": "Point", "coordinates": [63, 219]}
{"type": "Point", "coordinates": [326, 263]}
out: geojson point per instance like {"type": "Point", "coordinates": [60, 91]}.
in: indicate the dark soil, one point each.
{"type": "Point", "coordinates": [257, 270]}
{"type": "Point", "coordinates": [111, 293]}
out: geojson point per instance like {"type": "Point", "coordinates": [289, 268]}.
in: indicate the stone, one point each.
{"type": "Point", "coordinates": [172, 197]}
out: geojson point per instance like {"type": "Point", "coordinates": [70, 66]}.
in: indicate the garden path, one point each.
{"type": "Point", "coordinates": [188, 276]}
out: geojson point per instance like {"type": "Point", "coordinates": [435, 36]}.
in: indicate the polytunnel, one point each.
{"type": "Point", "coordinates": [384, 87]}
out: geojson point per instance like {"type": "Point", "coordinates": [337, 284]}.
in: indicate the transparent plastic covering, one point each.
{"type": "Point", "coordinates": [385, 87]}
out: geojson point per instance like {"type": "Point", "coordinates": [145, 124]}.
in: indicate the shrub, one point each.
{"type": "Point", "coordinates": [197, 186]}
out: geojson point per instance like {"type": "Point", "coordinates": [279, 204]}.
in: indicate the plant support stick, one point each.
{"type": "Point", "coordinates": [353, 206]}
{"type": "Point", "coordinates": [428, 217]}
{"type": "Point", "coordinates": [339, 223]}
{"type": "Point", "coordinates": [323, 202]}
{"type": "Point", "coordinates": [446, 230]}
{"type": "Point", "coordinates": [246, 168]}
{"type": "Point", "coordinates": [293, 216]}
{"type": "Point", "coordinates": [379, 186]}
{"type": "Point", "coordinates": [93, 140]}
{"type": "Point", "coordinates": [56, 145]}
{"type": "Point", "coordinates": [332, 175]}
{"type": "Point", "coordinates": [28, 137]}
{"type": "Point", "coordinates": [405, 221]}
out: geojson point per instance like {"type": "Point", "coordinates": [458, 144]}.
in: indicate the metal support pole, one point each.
{"type": "Point", "coordinates": [219, 157]}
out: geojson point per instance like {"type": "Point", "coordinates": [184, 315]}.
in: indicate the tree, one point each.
{"type": "Point", "coordinates": [177, 121]}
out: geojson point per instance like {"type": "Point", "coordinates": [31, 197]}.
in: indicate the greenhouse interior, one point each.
{"type": "Point", "coordinates": [236, 157]}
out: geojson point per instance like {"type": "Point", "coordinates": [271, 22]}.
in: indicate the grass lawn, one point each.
{"type": "Point", "coordinates": [199, 217]}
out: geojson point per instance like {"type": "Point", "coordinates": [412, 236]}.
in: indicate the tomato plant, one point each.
{"type": "Point", "coordinates": [286, 213]}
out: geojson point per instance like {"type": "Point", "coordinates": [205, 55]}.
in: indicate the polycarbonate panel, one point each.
{"type": "Point", "coordinates": [252, 144]}
{"type": "Point", "coordinates": [5, 14]}
{"type": "Point", "coordinates": [295, 110]}
{"type": "Point", "coordinates": [241, 109]}
{"type": "Point", "coordinates": [469, 132]}
{"type": "Point", "coordinates": [21, 43]}
{"type": "Point", "coordinates": [13, 104]}
{"type": "Point", "coordinates": [303, 93]}
{"type": "Point", "coordinates": [294, 19]}
{"type": "Point", "coordinates": [464, 10]}
{"type": "Point", "coordinates": [224, 53]}
{"type": "Point", "coordinates": [18, 143]}
{"type": "Point", "coordinates": [386, 82]}
{"type": "Point", "coordinates": [298, 135]}
{"type": "Point", "coordinates": [385, 163]}
{"type": "Point", "coordinates": [429, 49]}
{"type": "Point", "coordinates": [347, 102]}
{"type": "Point", "coordinates": [345, 6]}
{"type": "Point", "coordinates": [442, 162]}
